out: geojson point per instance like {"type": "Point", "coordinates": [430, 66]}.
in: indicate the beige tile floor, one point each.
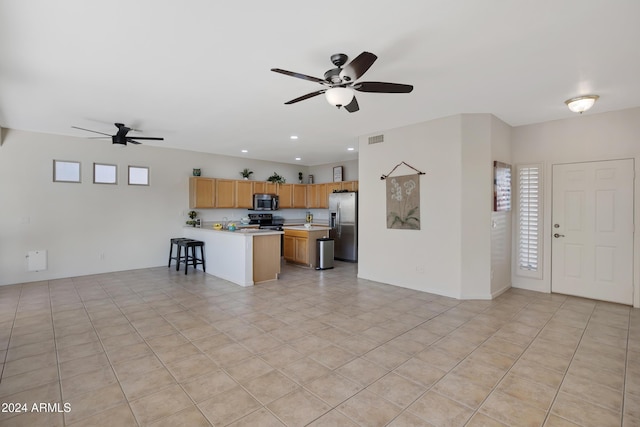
{"type": "Point", "coordinates": [155, 347]}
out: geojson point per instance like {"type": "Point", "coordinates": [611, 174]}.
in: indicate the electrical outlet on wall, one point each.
{"type": "Point", "coordinates": [101, 256]}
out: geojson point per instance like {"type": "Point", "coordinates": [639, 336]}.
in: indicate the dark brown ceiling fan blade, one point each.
{"type": "Point", "coordinates": [133, 142]}
{"type": "Point", "coordinates": [147, 137]}
{"type": "Point", "coordinates": [89, 130]}
{"type": "Point", "coordinates": [356, 68]}
{"type": "Point", "coordinates": [353, 106]}
{"type": "Point", "coordinates": [382, 87]}
{"type": "Point", "coordinates": [298, 75]}
{"type": "Point", "coordinates": [307, 96]}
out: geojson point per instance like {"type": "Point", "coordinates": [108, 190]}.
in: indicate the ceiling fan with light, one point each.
{"type": "Point", "coordinates": [340, 83]}
{"type": "Point", "coordinates": [121, 136]}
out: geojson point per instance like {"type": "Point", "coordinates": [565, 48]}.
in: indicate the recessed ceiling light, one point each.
{"type": "Point", "coordinates": [294, 137]}
{"type": "Point", "coordinates": [245, 151]}
{"type": "Point", "coordinates": [298, 158]}
{"type": "Point", "coordinates": [350, 149]}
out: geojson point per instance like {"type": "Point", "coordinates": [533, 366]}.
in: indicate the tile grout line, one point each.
{"type": "Point", "coordinates": [564, 375]}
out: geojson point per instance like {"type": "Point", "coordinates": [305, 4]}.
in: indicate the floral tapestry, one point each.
{"type": "Point", "coordinates": [403, 202]}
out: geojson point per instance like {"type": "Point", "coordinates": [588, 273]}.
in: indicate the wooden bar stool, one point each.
{"type": "Point", "coordinates": [190, 257]}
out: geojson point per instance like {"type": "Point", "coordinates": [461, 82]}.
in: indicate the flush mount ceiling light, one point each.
{"type": "Point", "coordinates": [581, 104]}
{"type": "Point", "coordinates": [339, 96]}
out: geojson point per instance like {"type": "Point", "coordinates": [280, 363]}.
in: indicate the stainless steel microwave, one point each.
{"type": "Point", "coordinates": [265, 202]}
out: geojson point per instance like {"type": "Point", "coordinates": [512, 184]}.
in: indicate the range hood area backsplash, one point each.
{"type": "Point", "coordinates": [290, 215]}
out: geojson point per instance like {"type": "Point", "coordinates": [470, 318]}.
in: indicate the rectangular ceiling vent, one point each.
{"type": "Point", "coordinates": [376, 139]}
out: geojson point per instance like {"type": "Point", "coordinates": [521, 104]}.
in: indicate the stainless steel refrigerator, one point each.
{"type": "Point", "coordinates": [343, 220]}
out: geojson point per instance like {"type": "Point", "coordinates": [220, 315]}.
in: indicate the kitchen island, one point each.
{"type": "Point", "coordinates": [300, 243]}
{"type": "Point", "coordinates": [245, 257]}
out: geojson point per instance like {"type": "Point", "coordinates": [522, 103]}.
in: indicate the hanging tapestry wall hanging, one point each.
{"type": "Point", "coordinates": [403, 202]}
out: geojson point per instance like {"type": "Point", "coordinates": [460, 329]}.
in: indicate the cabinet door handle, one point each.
{"type": "Point", "coordinates": [558, 235]}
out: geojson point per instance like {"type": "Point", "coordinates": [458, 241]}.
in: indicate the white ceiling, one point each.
{"type": "Point", "coordinates": [197, 72]}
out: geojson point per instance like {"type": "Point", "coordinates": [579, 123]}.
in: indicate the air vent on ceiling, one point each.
{"type": "Point", "coordinates": [376, 139]}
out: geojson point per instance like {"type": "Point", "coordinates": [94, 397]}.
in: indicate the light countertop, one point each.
{"type": "Point", "coordinates": [303, 228]}
{"type": "Point", "coordinates": [240, 231]}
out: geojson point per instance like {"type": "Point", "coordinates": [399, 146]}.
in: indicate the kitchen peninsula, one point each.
{"type": "Point", "coordinates": [245, 257]}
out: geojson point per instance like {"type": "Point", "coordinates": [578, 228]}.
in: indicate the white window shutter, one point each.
{"type": "Point", "coordinates": [529, 233]}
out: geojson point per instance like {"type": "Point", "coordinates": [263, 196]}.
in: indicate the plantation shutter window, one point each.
{"type": "Point", "coordinates": [529, 256]}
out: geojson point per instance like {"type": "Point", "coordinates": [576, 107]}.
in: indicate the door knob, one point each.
{"type": "Point", "coordinates": [558, 235]}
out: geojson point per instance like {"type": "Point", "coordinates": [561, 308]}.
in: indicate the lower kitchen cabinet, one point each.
{"type": "Point", "coordinates": [300, 245]}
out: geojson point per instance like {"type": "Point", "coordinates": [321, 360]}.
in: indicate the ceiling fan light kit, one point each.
{"type": "Point", "coordinates": [340, 83]}
{"type": "Point", "coordinates": [339, 96]}
{"type": "Point", "coordinates": [581, 104]}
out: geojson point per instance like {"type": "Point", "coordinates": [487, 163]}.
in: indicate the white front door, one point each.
{"type": "Point", "coordinates": [592, 230]}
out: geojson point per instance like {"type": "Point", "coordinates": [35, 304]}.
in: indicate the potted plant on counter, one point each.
{"type": "Point", "coordinates": [276, 179]}
{"type": "Point", "coordinates": [192, 215]}
{"type": "Point", "coordinates": [246, 173]}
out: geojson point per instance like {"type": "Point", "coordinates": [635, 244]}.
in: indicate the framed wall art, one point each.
{"type": "Point", "coordinates": [337, 174]}
{"type": "Point", "coordinates": [501, 187]}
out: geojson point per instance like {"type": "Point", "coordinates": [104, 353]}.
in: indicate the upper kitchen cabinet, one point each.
{"type": "Point", "coordinates": [244, 194]}
{"type": "Point", "coordinates": [299, 199]}
{"type": "Point", "coordinates": [350, 185]}
{"type": "Point", "coordinates": [334, 186]}
{"type": "Point", "coordinates": [285, 196]}
{"type": "Point", "coordinates": [264, 187]}
{"type": "Point", "coordinates": [225, 193]}
{"type": "Point", "coordinates": [202, 192]}
{"type": "Point", "coordinates": [313, 195]}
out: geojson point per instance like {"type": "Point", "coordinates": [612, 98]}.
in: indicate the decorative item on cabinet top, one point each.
{"type": "Point", "coordinates": [276, 179]}
{"type": "Point", "coordinates": [196, 172]}
{"type": "Point", "coordinates": [246, 173]}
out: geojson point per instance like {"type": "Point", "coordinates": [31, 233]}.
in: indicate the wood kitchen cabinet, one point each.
{"type": "Point", "coordinates": [312, 196]}
{"type": "Point", "coordinates": [350, 185]}
{"type": "Point", "coordinates": [202, 193]}
{"type": "Point", "coordinates": [300, 246]}
{"type": "Point", "coordinates": [244, 194]}
{"type": "Point", "coordinates": [299, 196]}
{"type": "Point", "coordinates": [317, 196]}
{"type": "Point", "coordinates": [285, 196]}
{"type": "Point", "coordinates": [225, 193]}
{"type": "Point", "coordinates": [323, 196]}
{"type": "Point", "coordinates": [333, 186]}
{"type": "Point", "coordinates": [265, 187]}
{"type": "Point", "coordinates": [296, 246]}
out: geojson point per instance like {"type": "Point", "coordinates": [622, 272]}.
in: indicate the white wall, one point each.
{"type": "Point", "coordinates": [452, 252]}
{"type": "Point", "coordinates": [77, 223]}
{"type": "Point", "coordinates": [590, 137]}
{"type": "Point", "coordinates": [428, 259]}
{"type": "Point", "coordinates": [324, 173]}
{"type": "Point", "coordinates": [476, 195]}
{"type": "Point", "coordinates": [501, 251]}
